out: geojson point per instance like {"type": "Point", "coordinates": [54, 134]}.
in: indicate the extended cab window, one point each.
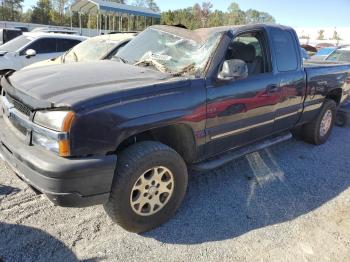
{"type": "Point", "coordinates": [284, 44]}
{"type": "Point", "coordinates": [251, 49]}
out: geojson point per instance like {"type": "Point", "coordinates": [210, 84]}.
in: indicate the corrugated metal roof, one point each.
{"type": "Point", "coordinates": [100, 6]}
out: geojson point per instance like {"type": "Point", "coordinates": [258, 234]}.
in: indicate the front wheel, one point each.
{"type": "Point", "coordinates": [149, 185]}
{"type": "Point", "coordinates": [318, 131]}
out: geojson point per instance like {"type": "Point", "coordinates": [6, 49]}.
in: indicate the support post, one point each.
{"type": "Point", "coordinates": [80, 29]}
{"type": "Point", "coordinates": [89, 25]}
{"type": "Point", "coordinates": [97, 24]}
{"type": "Point", "coordinates": [105, 23]}
{"type": "Point", "coordinates": [129, 22]}
{"type": "Point", "coordinates": [71, 21]}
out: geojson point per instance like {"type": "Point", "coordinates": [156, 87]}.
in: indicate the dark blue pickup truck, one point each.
{"type": "Point", "coordinates": [124, 132]}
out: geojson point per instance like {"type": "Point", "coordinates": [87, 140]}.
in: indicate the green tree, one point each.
{"type": "Point", "coordinates": [202, 13]}
{"type": "Point", "coordinates": [26, 17]}
{"type": "Point", "coordinates": [235, 15]}
{"type": "Point", "coordinates": [11, 10]}
{"type": "Point", "coordinates": [254, 16]}
{"type": "Point", "coordinates": [58, 12]}
{"type": "Point", "coordinates": [42, 12]}
{"type": "Point", "coordinates": [336, 35]}
{"type": "Point", "coordinates": [151, 4]}
{"type": "Point", "coordinates": [216, 18]}
{"type": "Point", "coordinates": [320, 35]}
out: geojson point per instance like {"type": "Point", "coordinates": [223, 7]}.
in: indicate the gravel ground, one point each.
{"type": "Point", "coordinates": [290, 202]}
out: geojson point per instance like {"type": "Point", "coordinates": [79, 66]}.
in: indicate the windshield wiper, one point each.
{"type": "Point", "coordinates": [75, 56]}
{"type": "Point", "coordinates": [187, 69]}
{"type": "Point", "coordinates": [121, 59]}
{"type": "Point", "coordinates": [151, 62]}
{"type": "Point", "coordinates": [64, 57]}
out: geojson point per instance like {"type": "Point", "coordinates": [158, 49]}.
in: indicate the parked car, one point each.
{"type": "Point", "coordinates": [55, 30]}
{"type": "Point", "coordinates": [323, 45]}
{"type": "Point", "coordinates": [95, 48]}
{"type": "Point", "coordinates": [22, 28]}
{"type": "Point", "coordinates": [7, 34]}
{"type": "Point", "coordinates": [123, 134]}
{"type": "Point", "coordinates": [34, 47]}
{"type": "Point", "coordinates": [323, 53]}
{"type": "Point", "coordinates": [341, 54]}
{"type": "Point", "coordinates": [310, 49]}
{"type": "Point", "coordinates": [343, 114]}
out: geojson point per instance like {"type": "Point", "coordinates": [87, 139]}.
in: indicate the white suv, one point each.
{"type": "Point", "coordinates": [34, 47]}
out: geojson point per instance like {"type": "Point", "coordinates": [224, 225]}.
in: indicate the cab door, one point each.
{"type": "Point", "coordinates": [242, 111]}
{"type": "Point", "coordinates": [45, 48]}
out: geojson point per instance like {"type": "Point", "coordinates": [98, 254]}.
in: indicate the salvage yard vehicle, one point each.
{"type": "Point", "coordinates": [124, 134]}
{"type": "Point", "coordinates": [7, 34]}
{"type": "Point", "coordinates": [342, 54]}
{"type": "Point", "coordinates": [94, 48]}
{"type": "Point", "coordinates": [323, 53]}
{"type": "Point", "coordinates": [34, 47]}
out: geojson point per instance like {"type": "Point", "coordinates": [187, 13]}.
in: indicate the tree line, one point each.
{"type": "Point", "coordinates": [55, 12]}
{"type": "Point", "coordinates": [203, 16]}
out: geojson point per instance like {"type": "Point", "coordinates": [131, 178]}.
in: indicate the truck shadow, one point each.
{"type": "Point", "coordinates": [23, 243]}
{"type": "Point", "coordinates": [7, 190]}
{"type": "Point", "coordinates": [261, 189]}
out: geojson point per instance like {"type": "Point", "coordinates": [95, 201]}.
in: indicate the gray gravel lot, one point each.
{"type": "Point", "coordinates": [290, 202]}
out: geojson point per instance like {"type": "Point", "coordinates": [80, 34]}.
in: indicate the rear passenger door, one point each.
{"type": "Point", "coordinates": [291, 77]}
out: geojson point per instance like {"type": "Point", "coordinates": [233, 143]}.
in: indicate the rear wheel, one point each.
{"type": "Point", "coordinates": [318, 131]}
{"type": "Point", "coordinates": [342, 119]}
{"type": "Point", "coordinates": [149, 185]}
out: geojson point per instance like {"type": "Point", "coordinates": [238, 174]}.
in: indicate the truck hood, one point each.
{"type": "Point", "coordinates": [67, 85]}
{"type": "Point", "coordinates": [52, 61]}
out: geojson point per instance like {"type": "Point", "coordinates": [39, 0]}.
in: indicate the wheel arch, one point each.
{"type": "Point", "coordinates": [179, 137]}
{"type": "Point", "coordinates": [335, 95]}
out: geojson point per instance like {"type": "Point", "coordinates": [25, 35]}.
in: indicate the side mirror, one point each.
{"type": "Point", "coordinates": [30, 52]}
{"type": "Point", "coordinates": [233, 70]}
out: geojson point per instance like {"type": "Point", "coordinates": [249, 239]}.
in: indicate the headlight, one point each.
{"type": "Point", "coordinates": [59, 123]}
{"type": "Point", "coordinates": [51, 119]}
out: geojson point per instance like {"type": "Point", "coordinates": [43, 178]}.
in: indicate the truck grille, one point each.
{"type": "Point", "coordinates": [19, 106]}
{"type": "Point", "coordinates": [20, 130]}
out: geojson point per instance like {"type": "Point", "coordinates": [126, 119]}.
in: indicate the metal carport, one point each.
{"type": "Point", "coordinates": [114, 13]}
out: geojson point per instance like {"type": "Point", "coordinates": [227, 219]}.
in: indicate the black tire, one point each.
{"type": "Point", "coordinates": [132, 163]}
{"type": "Point", "coordinates": [297, 132]}
{"type": "Point", "coordinates": [342, 119]}
{"type": "Point", "coordinates": [311, 131]}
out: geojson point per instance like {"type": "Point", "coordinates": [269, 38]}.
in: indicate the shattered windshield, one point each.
{"type": "Point", "coordinates": [168, 52]}
{"type": "Point", "coordinates": [91, 49]}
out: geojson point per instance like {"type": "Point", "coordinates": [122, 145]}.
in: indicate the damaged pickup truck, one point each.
{"type": "Point", "coordinates": [123, 133]}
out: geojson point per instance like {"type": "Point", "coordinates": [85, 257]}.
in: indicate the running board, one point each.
{"type": "Point", "coordinates": [233, 154]}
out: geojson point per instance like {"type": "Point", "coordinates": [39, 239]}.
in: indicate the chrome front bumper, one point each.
{"type": "Point", "coordinates": [10, 113]}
